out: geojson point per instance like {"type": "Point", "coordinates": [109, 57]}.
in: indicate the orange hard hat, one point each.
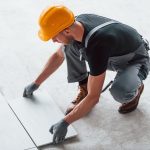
{"type": "Point", "coordinates": [53, 20]}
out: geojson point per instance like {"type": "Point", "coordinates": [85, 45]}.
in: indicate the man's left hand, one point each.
{"type": "Point", "coordinates": [59, 131]}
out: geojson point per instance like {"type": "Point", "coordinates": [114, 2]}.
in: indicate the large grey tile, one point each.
{"type": "Point", "coordinates": [12, 134]}
{"type": "Point", "coordinates": [37, 115]}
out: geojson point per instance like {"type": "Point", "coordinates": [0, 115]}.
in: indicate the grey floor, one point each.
{"type": "Point", "coordinates": [22, 56]}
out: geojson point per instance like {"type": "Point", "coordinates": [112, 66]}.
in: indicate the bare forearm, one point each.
{"type": "Point", "coordinates": [81, 109]}
{"type": "Point", "coordinates": [95, 84]}
{"type": "Point", "coordinates": [52, 65]}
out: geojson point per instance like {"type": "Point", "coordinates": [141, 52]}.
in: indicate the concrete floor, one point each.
{"type": "Point", "coordinates": [22, 56]}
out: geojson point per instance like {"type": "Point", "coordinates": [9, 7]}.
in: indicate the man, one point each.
{"type": "Point", "coordinates": [105, 44]}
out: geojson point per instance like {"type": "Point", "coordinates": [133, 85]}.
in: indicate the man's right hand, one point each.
{"type": "Point", "coordinates": [28, 91]}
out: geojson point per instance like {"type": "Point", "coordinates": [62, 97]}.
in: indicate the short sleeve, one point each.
{"type": "Point", "coordinates": [97, 57]}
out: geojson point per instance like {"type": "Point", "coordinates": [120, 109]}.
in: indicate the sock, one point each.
{"type": "Point", "coordinates": [84, 81]}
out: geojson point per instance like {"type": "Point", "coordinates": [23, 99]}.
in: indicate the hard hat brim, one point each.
{"type": "Point", "coordinates": [42, 36]}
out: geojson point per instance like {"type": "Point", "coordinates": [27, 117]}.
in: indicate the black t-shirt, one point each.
{"type": "Point", "coordinates": [111, 40]}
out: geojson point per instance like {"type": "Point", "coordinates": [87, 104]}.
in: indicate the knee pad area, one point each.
{"type": "Point", "coordinates": [122, 93]}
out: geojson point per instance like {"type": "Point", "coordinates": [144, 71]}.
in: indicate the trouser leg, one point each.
{"type": "Point", "coordinates": [76, 69]}
{"type": "Point", "coordinates": [131, 71]}
{"type": "Point", "coordinates": [126, 83]}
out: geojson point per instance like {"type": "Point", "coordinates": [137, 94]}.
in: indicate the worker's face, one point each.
{"type": "Point", "coordinates": [63, 37]}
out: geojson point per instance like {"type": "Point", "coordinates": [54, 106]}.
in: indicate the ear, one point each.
{"type": "Point", "coordinates": [67, 31]}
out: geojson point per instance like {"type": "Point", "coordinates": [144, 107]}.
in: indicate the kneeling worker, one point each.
{"type": "Point", "coordinates": [105, 44]}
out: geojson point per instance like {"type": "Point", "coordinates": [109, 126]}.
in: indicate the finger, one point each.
{"type": "Point", "coordinates": [24, 93]}
{"type": "Point", "coordinates": [61, 139]}
{"type": "Point", "coordinates": [54, 139]}
{"type": "Point", "coordinates": [51, 130]}
{"type": "Point", "coordinates": [57, 140]}
{"type": "Point", "coordinates": [27, 94]}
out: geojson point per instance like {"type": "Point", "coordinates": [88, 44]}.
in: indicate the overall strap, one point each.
{"type": "Point", "coordinates": [89, 36]}
{"type": "Point", "coordinates": [95, 29]}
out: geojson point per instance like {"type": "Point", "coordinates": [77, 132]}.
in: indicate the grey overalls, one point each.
{"type": "Point", "coordinates": [131, 68]}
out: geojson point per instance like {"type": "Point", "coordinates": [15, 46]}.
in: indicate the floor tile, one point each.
{"type": "Point", "coordinates": [37, 115]}
{"type": "Point", "coordinates": [12, 134]}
